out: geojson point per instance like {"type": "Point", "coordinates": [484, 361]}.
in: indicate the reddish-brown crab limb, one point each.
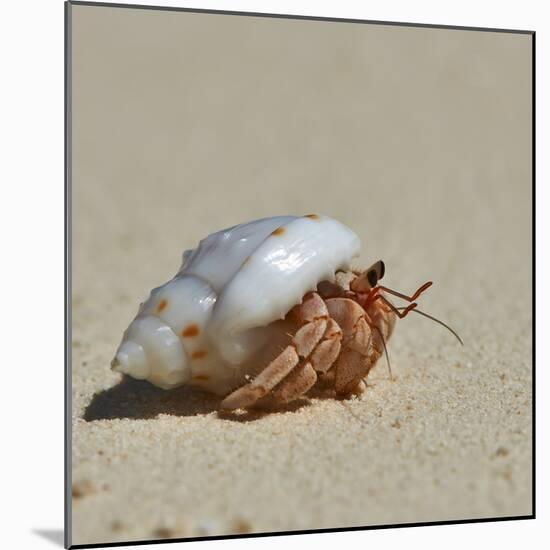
{"type": "Point", "coordinates": [313, 312]}
{"type": "Point", "coordinates": [327, 351]}
{"type": "Point", "coordinates": [263, 383]}
{"type": "Point", "coordinates": [301, 378]}
{"type": "Point", "coordinates": [400, 314]}
{"type": "Point", "coordinates": [360, 352]}
{"type": "Point", "coordinates": [304, 375]}
{"type": "Point", "coordinates": [404, 296]}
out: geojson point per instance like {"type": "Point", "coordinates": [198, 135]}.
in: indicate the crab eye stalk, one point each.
{"type": "Point", "coordinates": [381, 269]}
{"type": "Point", "coordinates": [372, 278]}
{"type": "Point", "coordinates": [375, 273]}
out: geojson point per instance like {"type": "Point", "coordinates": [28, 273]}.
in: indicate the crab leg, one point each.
{"type": "Point", "coordinates": [326, 352]}
{"type": "Point", "coordinates": [291, 383]}
{"type": "Point", "coordinates": [313, 312]}
{"type": "Point", "coordinates": [412, 298]}
{"type": "Point", "coordinates": [298, 382]}
{"type": "Point", "coordinates": [361, 349]}
{"type": "Point", "coordinates": [263, 383]}
{"type": "Point", "coordinates": [400, 314]}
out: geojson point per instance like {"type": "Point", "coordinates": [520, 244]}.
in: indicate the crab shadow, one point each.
{"type": "Point", "coordinates": [137, 399]}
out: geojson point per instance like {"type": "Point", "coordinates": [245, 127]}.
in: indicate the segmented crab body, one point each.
{"type": "Point", "coordinates": [263, 311]}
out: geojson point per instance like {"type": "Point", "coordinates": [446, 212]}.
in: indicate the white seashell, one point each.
{"type": "Point", "coordinates": [283, 268]}
{"type": "Point", "coordinates": [207, 324]}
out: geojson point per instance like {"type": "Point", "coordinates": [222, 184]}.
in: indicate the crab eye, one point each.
{"type": "Point", "coordinates": [372, 277]}
{"type": "Point", "coordinates": [381, 268]}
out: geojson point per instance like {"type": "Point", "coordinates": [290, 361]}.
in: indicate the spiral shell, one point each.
{"type": "Point", "coordinates": [208, 324]}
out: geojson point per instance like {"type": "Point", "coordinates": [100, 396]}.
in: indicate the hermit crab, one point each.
{"type": "Point", "coordinates": [264, 311]}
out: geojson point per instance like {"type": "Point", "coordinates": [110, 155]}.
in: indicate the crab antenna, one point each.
{"type": "Point", "coordinates": [404, 296]}
{"type": "Point", "coordinates": [437, 321]}
{"type": "Point", "coordinates": [385, 350]}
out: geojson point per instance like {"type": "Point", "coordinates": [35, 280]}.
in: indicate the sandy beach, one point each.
{"type": "Point", "coordinates": [417, 139]}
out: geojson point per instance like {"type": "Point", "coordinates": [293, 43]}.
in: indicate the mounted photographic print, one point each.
{"type": "Point", "coordinates": [301, 274]}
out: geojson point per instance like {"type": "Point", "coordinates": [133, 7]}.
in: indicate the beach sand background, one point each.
{"type": "Point", "coordinates": [418, 139]}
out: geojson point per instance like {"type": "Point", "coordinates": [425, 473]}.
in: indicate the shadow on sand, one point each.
{"type": "Point", "coordinates": [137, 399]}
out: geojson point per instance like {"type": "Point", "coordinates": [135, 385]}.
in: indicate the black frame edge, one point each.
{"type": "Point", "coordinates": [303, 532]}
